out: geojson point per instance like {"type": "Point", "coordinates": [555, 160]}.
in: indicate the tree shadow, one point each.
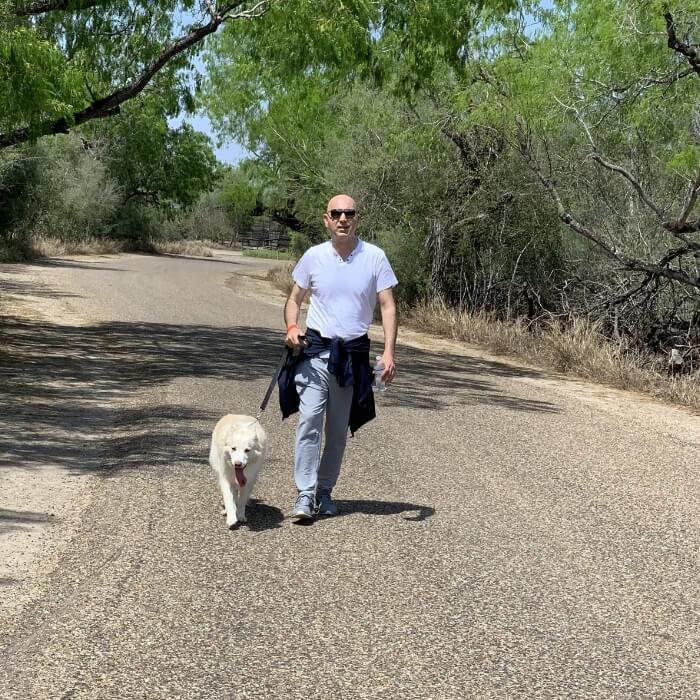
{"type": "Point", "coordinates": [11, 520]}
{"type": "Point", "coordinates": [62, 388]}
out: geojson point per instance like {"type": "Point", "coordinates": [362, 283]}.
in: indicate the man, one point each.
{"type": "Point", "coordinates": [329, 370]}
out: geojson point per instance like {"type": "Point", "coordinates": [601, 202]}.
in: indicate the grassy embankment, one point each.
{"type": "Point", "coordinates": [578, 349]}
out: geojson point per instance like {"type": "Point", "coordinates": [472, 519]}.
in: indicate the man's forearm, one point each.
{"type": "Point", "coordinates": [291, 312]}
{"type": "Point", "coordinates": [390, 326]}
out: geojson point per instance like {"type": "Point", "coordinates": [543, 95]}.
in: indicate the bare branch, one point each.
{"type": "Point", "coordinates": [692, 199]}
{"type": "Point", "coordinates": [659, 269]}
{"type": "Point", "coordinates": [613, 166]}
{"type": "Point", "coordinates": [684, 49]}
{"type": "Point", "coordinates": [252, 13]}
{"type": "Point", "coordinates": [632, 180]}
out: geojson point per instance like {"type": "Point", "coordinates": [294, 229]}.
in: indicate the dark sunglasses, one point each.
{"type": "Point", "coordinates": [335, 214]}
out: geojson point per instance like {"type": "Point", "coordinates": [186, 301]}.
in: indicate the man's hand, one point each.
{"type": "Point", "coordinates": [389, 368]}
{"type": "Point", "coordinates": [294, 338]}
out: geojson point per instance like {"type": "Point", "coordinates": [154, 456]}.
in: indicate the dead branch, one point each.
{"type": "Point", "coordinates": [684, 49]}
{"type": "Point", "coordinates": [660, 269]}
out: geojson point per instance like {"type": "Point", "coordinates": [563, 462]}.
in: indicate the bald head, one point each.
{"type": "Point", "coordinates": [341, 201]}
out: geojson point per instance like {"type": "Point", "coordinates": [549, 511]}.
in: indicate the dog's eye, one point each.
{"type": "Point", "coordinates": [233, 449]}
{"type": "Point", "coordinates": [247, 449]}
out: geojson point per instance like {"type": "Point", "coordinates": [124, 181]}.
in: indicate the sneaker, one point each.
{"type": "Point", "coordinates": [304, 507]}
{"type": "Point", "coordinates": [324, 505]}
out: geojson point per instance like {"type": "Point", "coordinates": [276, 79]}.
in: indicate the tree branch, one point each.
{"type": "Point", "coordinates": [41, 7]}
{"type": "Point", "coordinates": [659, 269]}
{"type": "Point", "coordinates": [684, 49]}
{"type": "Point", "coordinates": [110, 105]}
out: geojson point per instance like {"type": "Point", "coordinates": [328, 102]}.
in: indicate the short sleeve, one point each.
{"type": "Point", "coordinates": [385, 275]}
{"type": "Point", "coordinates": [302, 271]}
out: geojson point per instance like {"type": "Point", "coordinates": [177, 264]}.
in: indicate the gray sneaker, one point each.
{"type": "Point", "coordinates": [304, 507]}
{"type": "Point", "coordinates": [324, 505]}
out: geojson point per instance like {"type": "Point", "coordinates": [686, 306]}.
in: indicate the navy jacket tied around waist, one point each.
{"type": "Point", "coordinates": [348, 363]}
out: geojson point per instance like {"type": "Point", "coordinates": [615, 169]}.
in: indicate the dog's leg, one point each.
{"type": "Point", "coordinates": [229, 502]}
{"type": "Point", "coordinates": [241, 499]}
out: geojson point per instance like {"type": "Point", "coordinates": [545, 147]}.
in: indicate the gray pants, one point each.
{"type": "Point", "coordinates": [319, 393]}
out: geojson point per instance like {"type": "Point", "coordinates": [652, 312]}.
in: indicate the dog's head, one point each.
{"type": "Point", "coordinates": [242, 446]}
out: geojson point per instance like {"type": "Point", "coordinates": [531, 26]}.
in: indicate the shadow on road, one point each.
{"type": "Point", "coordinates": [63, 389]}
{"type": "Point", "coordinates": [18, 519]}
{"type": "Point", "coordinates": [385, 508]}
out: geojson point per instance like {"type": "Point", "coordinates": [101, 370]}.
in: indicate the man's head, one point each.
{"type": "Point", "coordinates": [340, 218]}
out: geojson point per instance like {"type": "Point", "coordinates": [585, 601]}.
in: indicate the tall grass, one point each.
{"type": "Point", "coordinates": [578, 349]}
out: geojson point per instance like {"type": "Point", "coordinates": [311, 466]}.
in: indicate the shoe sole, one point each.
{"type": "Point", "coordinates": [300, 515]}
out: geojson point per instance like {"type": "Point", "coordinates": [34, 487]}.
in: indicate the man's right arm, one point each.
{"type": "Point", "coordinates": [291, 316]}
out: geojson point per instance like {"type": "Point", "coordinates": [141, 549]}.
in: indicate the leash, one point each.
{"type": "Point", "coordinates": [273, 381]}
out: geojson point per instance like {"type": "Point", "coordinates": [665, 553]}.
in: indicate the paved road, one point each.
{"type": "Point", "coordinates": [502, 534]}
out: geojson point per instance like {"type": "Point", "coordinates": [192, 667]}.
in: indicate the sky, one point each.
{"type": "Point", "coordinates": [231, 152]}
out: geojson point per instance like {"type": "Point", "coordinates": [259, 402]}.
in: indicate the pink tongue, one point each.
{"type": "Point", "coordinates": [240, 477]}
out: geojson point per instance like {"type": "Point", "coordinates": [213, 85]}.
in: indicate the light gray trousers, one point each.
{"type": "Point", "coordinates": [320, 393]}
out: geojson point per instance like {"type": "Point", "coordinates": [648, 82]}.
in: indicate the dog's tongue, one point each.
{"type": "Point", "coordinates": [240, 477]}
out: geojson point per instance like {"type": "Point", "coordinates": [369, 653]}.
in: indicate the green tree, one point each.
{"type": "Point", "coordinates": [153, 162]}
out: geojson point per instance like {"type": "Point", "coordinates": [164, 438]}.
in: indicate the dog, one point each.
{"type": "Point", "coordinates": [237, 455]}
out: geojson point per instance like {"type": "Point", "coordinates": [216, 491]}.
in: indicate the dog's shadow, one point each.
{"type": "Point", "coordinates": [384, 508]}
{"type": "Point", "coordinates": [261, 517]}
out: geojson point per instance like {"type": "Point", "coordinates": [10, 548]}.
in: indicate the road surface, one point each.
{"type": "Point", "coordinates": [504, 533]}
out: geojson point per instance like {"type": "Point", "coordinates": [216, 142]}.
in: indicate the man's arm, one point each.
{"type": "Point", "coordinates": [291, 316]}
{"type": "Point", "coordinates": [390, 326]}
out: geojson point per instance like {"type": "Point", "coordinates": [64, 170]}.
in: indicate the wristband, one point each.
{"type": "Point", "coordinates": [290, 326]}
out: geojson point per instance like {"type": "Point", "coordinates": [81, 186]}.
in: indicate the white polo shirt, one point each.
{"type": "Point", "coordinates": [343, 292]}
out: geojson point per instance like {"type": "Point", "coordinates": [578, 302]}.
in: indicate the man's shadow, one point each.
{"type": "Point", "coordinates": [262, 517]}
{"type": "Point", "coordinates": [384, 508]}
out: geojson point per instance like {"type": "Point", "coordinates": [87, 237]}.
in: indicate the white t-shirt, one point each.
{"type": "Point", "coordinates": [343, 292]}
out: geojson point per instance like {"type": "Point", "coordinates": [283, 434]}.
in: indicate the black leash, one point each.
{"type": "Point", "coordinates": [273, 381]}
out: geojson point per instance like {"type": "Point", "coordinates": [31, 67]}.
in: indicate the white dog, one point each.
{"type": "Point", "coordinates": [237, 455]}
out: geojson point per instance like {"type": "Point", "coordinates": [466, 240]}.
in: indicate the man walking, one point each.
{"type": "Point", "coordinates": [330, 372]}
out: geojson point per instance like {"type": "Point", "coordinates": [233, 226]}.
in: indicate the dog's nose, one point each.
{"type": "Point", "coordinates": [238, 464]}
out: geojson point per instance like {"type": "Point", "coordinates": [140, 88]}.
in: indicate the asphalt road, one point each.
{"type": "Point", "coordinates": [502, 534]}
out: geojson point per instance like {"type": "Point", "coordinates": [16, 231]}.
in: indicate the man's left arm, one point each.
{"type": "Point", "coordinates": [390, 326]}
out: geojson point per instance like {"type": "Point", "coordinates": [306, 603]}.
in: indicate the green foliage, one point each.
{"type": "Point", "coordinates": [238, 196]}
{"type": "Point", "coordinates": [153, 162]}
{"type": "Point", "coordinates": [64, 189]}
{"type": "Point", "coordinates": [36, 81]}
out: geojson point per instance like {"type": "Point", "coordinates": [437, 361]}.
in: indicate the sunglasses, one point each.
{"type": "Point", "coordinates": [335, 214]}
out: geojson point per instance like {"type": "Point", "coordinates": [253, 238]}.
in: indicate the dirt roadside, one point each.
{"type": "Point", "coordinates": [41, 501]}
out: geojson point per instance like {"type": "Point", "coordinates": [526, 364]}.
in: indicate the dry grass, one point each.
{"type": "Point", "coordinates": [46, 247]}
{"type": "Point", "coordinates": [194, 248]}
{"type": "Point", "coordinates": [281, 277]}
{"type": "Point", "coordinates": [578, 349]}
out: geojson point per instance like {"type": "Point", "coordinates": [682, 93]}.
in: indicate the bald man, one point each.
{"type": "Point", "coordinates": [331, 375]}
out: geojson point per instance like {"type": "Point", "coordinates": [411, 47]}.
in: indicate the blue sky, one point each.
{"type": "Point", "coordinates": [230, 152]}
